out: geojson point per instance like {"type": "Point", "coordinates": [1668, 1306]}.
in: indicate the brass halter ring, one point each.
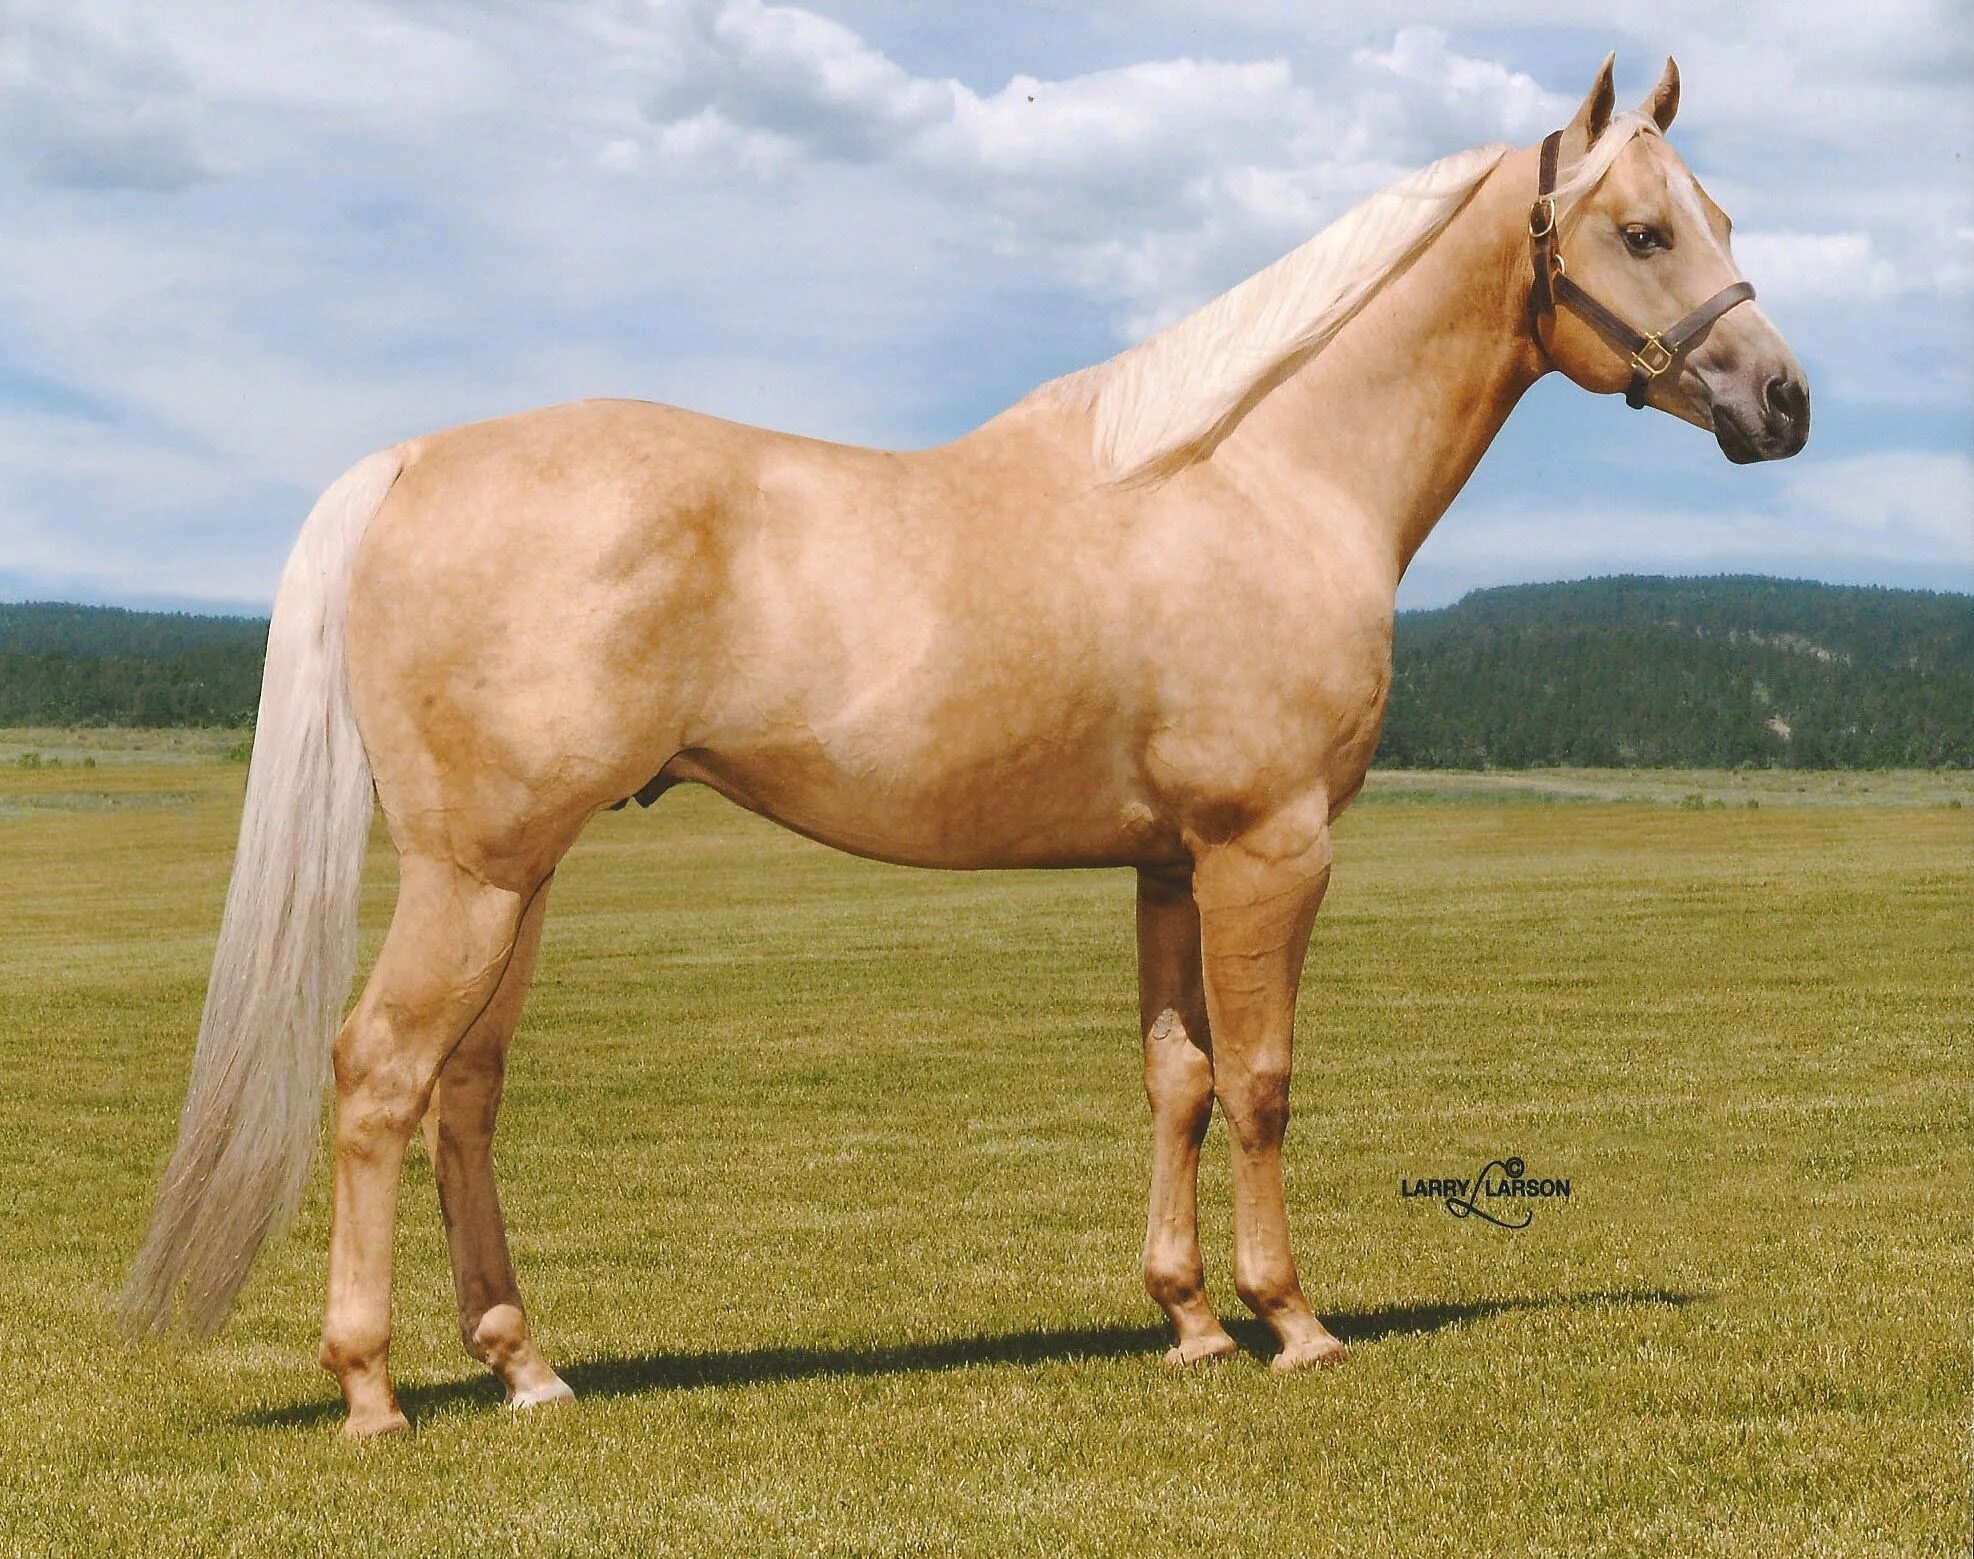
{"type": "Point", "coordinates": [1644, 364]}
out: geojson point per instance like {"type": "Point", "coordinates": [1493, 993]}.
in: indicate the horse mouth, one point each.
{"type": "Point", "coordinates": [1733, 440]}
{"type": "Point", "coordinates": [1749, 448]}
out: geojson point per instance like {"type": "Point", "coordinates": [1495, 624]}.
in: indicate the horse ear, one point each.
{"type": "Point", "coordinates": [1582, 132]}
{"type": "Point", "coordinates": [1664, 101]}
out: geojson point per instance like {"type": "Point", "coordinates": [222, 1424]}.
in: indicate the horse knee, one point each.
{"type": "Point", "coordinates": [1178, 1074]}
{"type": "Point", "coordinates": [1256, 1099]}
{"type": "Point", "coordinates": [384, 1082]}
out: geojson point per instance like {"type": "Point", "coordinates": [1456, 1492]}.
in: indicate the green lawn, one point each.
{"type": "Point", "coordinates": [826, 1182]}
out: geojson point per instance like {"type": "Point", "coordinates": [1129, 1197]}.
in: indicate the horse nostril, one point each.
{"type": "Point", "coordinates": [1785, 400]}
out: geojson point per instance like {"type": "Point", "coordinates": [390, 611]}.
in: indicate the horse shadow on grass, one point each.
{"type": "Point", "coordinates": [647, 1374]}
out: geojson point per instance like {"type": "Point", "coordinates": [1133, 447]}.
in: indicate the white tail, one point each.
{"type": "Point", "coordinates": [287, 944]}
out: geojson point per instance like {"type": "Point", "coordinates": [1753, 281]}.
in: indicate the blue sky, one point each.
{"type": "Point", "coordinates": [244, 244]}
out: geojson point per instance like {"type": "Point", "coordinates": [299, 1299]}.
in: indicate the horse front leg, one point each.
{"type": "Point", "coordinates": [1179, 1086]}
{"type": "Point", "coordinates": [1257, 896]}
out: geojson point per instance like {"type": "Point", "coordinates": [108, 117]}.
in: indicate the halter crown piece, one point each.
{"type": "Point", "coordinates": [1651, 352]}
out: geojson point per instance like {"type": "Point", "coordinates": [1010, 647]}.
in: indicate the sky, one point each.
{"type": "Point", "coordinates": [241, 245]}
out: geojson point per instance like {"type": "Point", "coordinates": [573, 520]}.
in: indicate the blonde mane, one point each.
{"type": "Point", "coordinates": [1164, 402]}
{"type": "Point", "coordinates": [1590, 168]}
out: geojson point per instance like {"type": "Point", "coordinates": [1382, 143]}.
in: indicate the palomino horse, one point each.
{"type": "Point", "coordinates": [1142, 618]}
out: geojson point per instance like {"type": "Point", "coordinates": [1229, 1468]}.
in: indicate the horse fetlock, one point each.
{"type": "Point", "coordinates": [347, 1353]}
{"type": "Point", "coordinates": [497, 1335]}
{"type": "Point", "coordinates": [1271, 1289]}
{"type": "Point", "coordinates": [369, 1423]}
{"type": "Point", "coordinates": [360, 1364]}
{"type": "Point", "coordinates": [500, 1339]}
{"type": "Point", "coordinates": [1174, 1281]}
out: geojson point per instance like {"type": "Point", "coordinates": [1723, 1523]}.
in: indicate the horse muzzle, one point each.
{"type": "Point", "coordinates": [1771, 424]}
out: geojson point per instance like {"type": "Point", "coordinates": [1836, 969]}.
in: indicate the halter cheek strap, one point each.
{"type": "Point", "coordinates": [1651, 352]}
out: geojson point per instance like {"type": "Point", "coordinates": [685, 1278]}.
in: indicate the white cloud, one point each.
{"type": "Point", "coordinates": [707, 144]}
{"type": "Point", "coordinates": [1203, 169]}
{"type": "Point", "coordinates": [1816, 266]}
{"type": "Point", "coordinates": [1819, 267]}
{"type": "Point", "coordinates": [1451, 95]}
{"type": "Point", "coordinates": [812, 79]}
{"type": "Point", "coordinates": [89, 102]}
{"type": "Point", "coordinates": [1921, 502]}
{"type": "Point", "coordinates": [1155, 119]}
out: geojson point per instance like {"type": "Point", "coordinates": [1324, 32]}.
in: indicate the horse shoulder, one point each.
{"type": "Point", "coordinates": [1272, 664]}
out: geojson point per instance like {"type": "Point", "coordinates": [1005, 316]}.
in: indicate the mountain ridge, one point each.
{"type": "Point", "coordinates": [1662, 671]}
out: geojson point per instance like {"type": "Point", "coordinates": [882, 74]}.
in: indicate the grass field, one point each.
{"type": "Point", "coordinates": [826, 1183]}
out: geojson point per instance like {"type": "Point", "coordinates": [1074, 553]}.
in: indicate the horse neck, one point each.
{"type": "Point", "coordinates": [1384, 426]}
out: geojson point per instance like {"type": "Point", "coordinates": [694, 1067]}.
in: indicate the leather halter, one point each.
{"type": "Point", "coordinates": [1651, 352]}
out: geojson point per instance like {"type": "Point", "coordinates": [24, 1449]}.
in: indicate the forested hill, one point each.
{"type": "Point", "coordinates": [1685, 672]}
{"type": "Point", "coordinates": [98, 665]}
{"type": "Point", "coordinates": [1627, 671]}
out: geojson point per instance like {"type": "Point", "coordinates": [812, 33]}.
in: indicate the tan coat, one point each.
{"type": "Point", "coordinates": [976, 655]}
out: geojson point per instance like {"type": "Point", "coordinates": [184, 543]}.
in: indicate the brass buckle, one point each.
{"type": "Point", "coordinates": [1543, 211]}
{"type": "Point", "coordinates": [1645, 365]}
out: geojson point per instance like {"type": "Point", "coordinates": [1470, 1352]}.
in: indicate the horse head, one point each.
{"type": "Point", "coordinates": [1635, 286]}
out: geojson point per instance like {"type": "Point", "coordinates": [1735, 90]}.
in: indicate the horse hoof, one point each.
{"type": "Point", "coordinates": [554, 1389]}
{"type": "Point", "coordinates": [1317, 1353]}
{"type": "Point", "coordinates": [1199, 1350]}
{"type": "Point", "coordinates": [374, 1426]}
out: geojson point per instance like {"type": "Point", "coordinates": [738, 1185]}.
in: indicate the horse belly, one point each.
{"type": "Point", "coordinates": [1011, 796]}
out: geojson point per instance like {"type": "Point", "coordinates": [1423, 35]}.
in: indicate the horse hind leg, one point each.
{"type": "Point", "coordinates": [451, 941]}
{"type": "Point", "coordinates": [1179, 1087]}
{"type": "Point", "coordinates": [459, 1128]}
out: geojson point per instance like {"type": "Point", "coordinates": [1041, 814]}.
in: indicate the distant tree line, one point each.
{"type": "Point", "coordinates": [1647, 672]}
{"type": "Point", "coordinates": [1704, 673]}
{"type": "Point", "coordinates": [93, 665]}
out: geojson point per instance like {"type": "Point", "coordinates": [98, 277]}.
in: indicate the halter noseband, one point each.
{"type": "Point", "coordinates": [1651, 352]}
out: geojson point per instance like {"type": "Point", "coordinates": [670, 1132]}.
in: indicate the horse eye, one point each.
{"type": "Point", "coordinates": [1640, 239]}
